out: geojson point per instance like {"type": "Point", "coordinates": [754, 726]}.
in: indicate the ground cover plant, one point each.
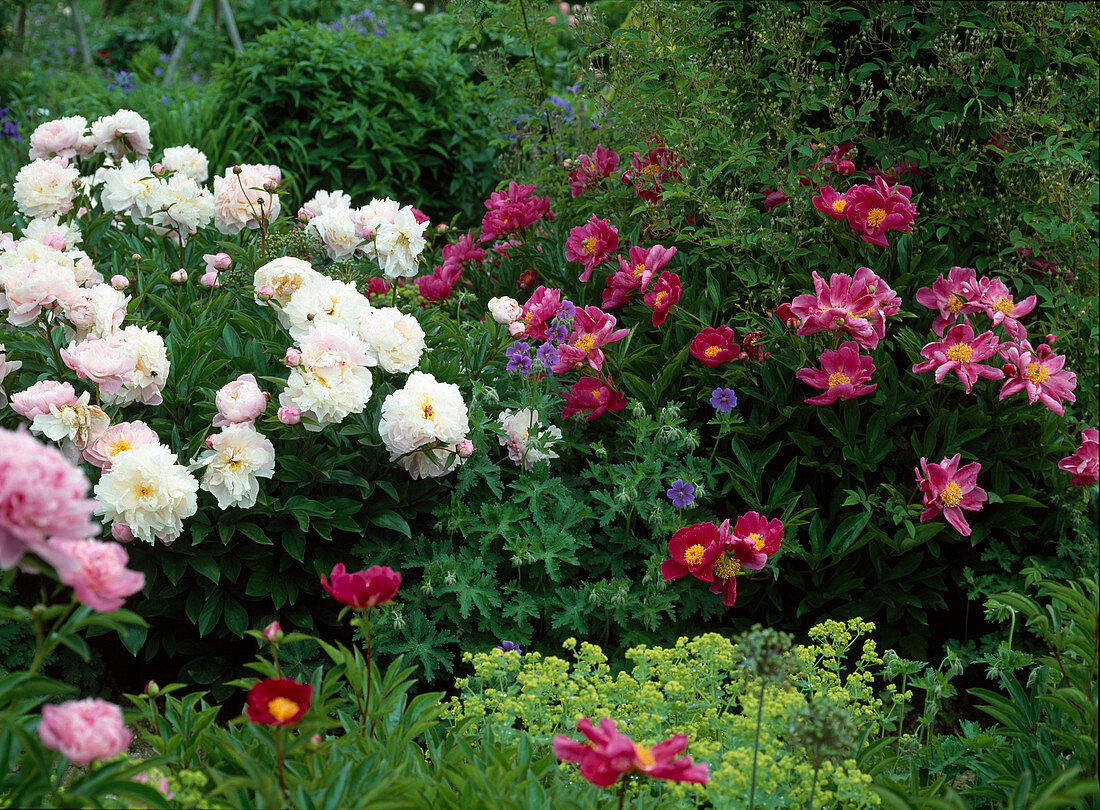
{"type": "Point", "coordinates": [762, 380]}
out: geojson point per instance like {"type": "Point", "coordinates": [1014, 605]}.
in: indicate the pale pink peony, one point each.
{"type": "Point", "coordinates": [239, 402]}
{"type": "Point", "coordinates": [121, 133]}
{"type": "Point", "coordinates": [104, 363]}
{"type": "Point", "coordinates": [62, 137]}
{"type": "Point", "coordinates": [1085, 463]}
{"type": "Point", "coordinates": [117, 439]}
{"type": "Point", "coordinates": [953, 296]}
{"type": "Point", "coordinates": [949, 489]}
{"type": "Point", "coordinates": [84, 730]}
{"type": "Point", "coordinates": [505, 310]}
{"type": "Point", "coordinates": [6, 368]}
{"type": "Point", "coordinates": [242, 201]}
{"type": "Point", "coordinates": [289, 415]}
{"type": "Point", "coordinates": [960, 351]}
{"type": "Point", "coordinates": [844, 374]}
{"type": "Point", "coordinates": [42, 495]}
{"type": "Point", "coordinates": [37, 399]}
{"type": "Point", "coordinates": [1040, 373]}
{"type": "Point", "coordinates": [100, 577]}
{"type": "Point", "coordinates": [46, 188]}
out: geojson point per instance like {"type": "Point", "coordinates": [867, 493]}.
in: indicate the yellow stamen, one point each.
{"type": "Point", "coordinates": [712, 351]}
{"type": "Point", "coordinates": [960, 352]}
{"type": "Point", "coordinates": [281, 708]}
{"type": "Point", "coordinates": [143, 491]}
{"type": "Point", "coordinates": [727, 566]}
{"type": "Point", "coordinates": [954, 304]}
{"type": "Point", "coordinates": [639, 269]}
{"type": "Point", "coordinates": [1037, 373]}
{"type": "Point", "coordinates": [120, 445]}
{"type": "Point", "coordinates": [644, 755]}
{"type": "Point", "coordinates": [1003, 304]}
{"type": "Point", "coordinates": [658, 298]}
{"type": "Point", "coordinates": [694, 554]}
{"type": "Point", "coordinates": [875, 217]}
{"type": "Point", "coordinates": [651, 170]}
{"type": "Point", "coordinates": [590, 245]}
{"type": "Point", "coordinates": [757, 541]}
{"type": "Point", "coordinates": [586, 342]}
{"type": "Point", "coordinates": [952, 494]}
{"type": "Point", "coordinates": [836, 378]}
{"type": "Point", "coordinates": [840, 205]}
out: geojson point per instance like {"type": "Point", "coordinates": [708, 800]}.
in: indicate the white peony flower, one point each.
{"type": "Point", "coordinates": [241, 199]}
{"type": "Point", "coordinates": [395, 339]}
{"type": "Point", "coordinates": [325, 201]}
{"type": "Point", "coordinates": [187, 160]}
{"type": "Point", "coordinates": [48, 231]}
{"type": "Point", "coordinates": [332, 379]}
{"type": "Point", "coordinates": [77, 422]}
{"type": "Point", "coordinates": [423, 416]}
{"type": "Point", "coordinates": [522, 430]}
{"type": "Point", "coordinates": [148, 490]}
{"type": "Point", "coordinates": [399, 244]}
{"type": "Point", "coordinates": [151, 366]}
{"type": "Point", "coordinates": [434, 463]}
{"type": "Point", "coordinates": [130, 188]}
{"type": "Point", "coordinates": [324, 300]}
{"type": "Point", "coordinates": [125, 131]}
{"type": "Point", "coordinates": [338, 231]}
{"type": "Point", "coordinates": [46, 188]}
{"type": "Point", "coordinates": [239, 457]}
{"type": "Point", "coordinates": [284, 276]}
{"type": "Point", "coordinates": [505, 310]}
{"type": "Point", "coordinates": [98, 311]}
{"type": "Point", "coordinates": [181, 204]}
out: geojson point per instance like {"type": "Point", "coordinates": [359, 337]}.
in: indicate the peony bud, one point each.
{"type": "Point", "coordinates": [419, 8]}
{"type": "Point", "coordinates": [157, 169]}
{"type": "Point", "coordinates": [293, 357]}
{"type": "Point", "coordinates": [264, 292]}
{"type": "Point", "coordinates": [1052, 339]}
{"type": "Point", "coordinates": [304, 216]}
{"type": "Point", "coordinates": [152, 689]}
{"type": "Point", "coordinates": [209, 442]}
{"type": "Point", "coordinates": [1009, 369]}
{"type": "Point", "coordinates": [516, 329]}
{"type": "Point", "coordinates": [567, 163]}
{"type": "Point", "coordinates": [465, 448]}
{"type": "Point", "coordinates": [210, 280]}
{"type": "Point", "coordinates": [121, 532]}
{"type": "Point", "coordinates": [273, 633]}
{"type": "Point", "coordinates": [442, 227]}
{"type": "Point", "coordinates": [314, 744]}
{"type": "Point", "coordinates": [219, 261]}
{"type": "Point", "coordinates": [289, 415]}
{"type": "Point", "coordinates": [135, 257]}
{"type": "Point", "coordinates": [120, 282]}
{"type": "Point", "coordinates": [179, 277]}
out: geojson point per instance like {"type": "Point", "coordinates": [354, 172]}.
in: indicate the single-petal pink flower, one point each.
{"type": "Point", "coordinates": [844, 374]}
{"type": "Point", "coordinates": [873, 210]}
{"type": "Point", "coordinates": [1084, 464]}
{"type": "Point", "coordinates": [953, 296]}
{"type": "Point", "coordinates": [591, 244]}
{"type": "Point", "coordinates": [1040, 373]}
{"type": "Point", "coordinates": [592, 329]}
{"type": "Point", "coordinates": [662, 296]}
{"type": "Point", "coordinates": [858, 305]}
{"type": "Point", "coordinates": [830, 202]}
{"type": "Point", "coordinates": [961, 352]}
{"type": "Point", "coordinates": [949, 489]}
{"type": "Point", "coordinates": [610, 755]}
{"type": "Point", "coordinates": [999, 305]}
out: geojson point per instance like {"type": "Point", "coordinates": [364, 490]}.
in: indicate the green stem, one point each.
{"type": "Point", "coordinates": [279, 759]}
{"type": "Point", "coordinates": [756, 745]}
{"type": "Point", "coordinates": [813, 787]}
{"type": "Point", "coordinates": [54, 353]}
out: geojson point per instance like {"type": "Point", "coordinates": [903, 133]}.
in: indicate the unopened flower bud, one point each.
{"type": "Point", "coordinates": [135, 257]}
{"type": "Point", "coordinates": [314, 744]}
{"type": "Point", "coordinates": [120, 282]}
{"type": "Point", "coordinates": [178, 277]}
{"type": "Point", "coordinates": [1051, 339]}
{"type": "Point", "coordinates": [208, 442]}
{"type": "Point", "coordinates": [304, 216]}
{"type": "Point", "coordinates": [517, 328]}
{"type": "Point", "coordinates": [289, 415]}
{"type": "Point", "coordinates": [465, 448]}
{"type": "Point", "coordinates": [638, 409]}
{"type": "Point", "coordinates": [152, 689]}
{"type": "Point", "coordinates": [210, 280]}
{"type": "Point", "coordinates": [293, 357]}
{"type": "Point", "coordinates": [121, 532]}
{"type": "Point", "coordinates": [273, 633]}
{"type": "Point", "coordinates": [219, 261]}
{"type": "Point", "coordinates": [157, 169]}
{"type": "Point", "coordinates": [237, 170]}
{"type": "Point", "coordinates": [271, 186]}
{"type": "Point", "coordinates": [442, 227]}
{"type": "Point", "coordinates": [567, 163]}
{"type": "Point", "coordinates": [265, 292]}
{"type": "Point", "coordinates": [267, 396]}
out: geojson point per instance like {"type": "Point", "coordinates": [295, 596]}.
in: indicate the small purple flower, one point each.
{"type": "Point", "coordinates": [508, 646]}
{"type": "Point", "coordinates": [681, 494]}
{"type": "Point", "coordinates": [567, 310]}
{"type": "Point", "coordinates": [548, 354]}
{"type": "Point", "coordinates": [724, 399]}
{"type": "Point", "coordinates": [519, 357]}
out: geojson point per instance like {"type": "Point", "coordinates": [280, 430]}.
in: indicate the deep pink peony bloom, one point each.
{"type": "Point", "coordinates": [693, 550]}
{"type": "Point", "coordinates": [590, 170]}
{"type": "Point", "coordinates": [100, 577]}
{"type": "Point", "coordinates": [42, 495]}
{"type": "Point", "coordinates": [872, 210]}
{"type": "Point", "coordinates": [961, 352]}
{"type": "Point", "coordinates": [949, 490]}
{"type": "Point", "coordinates": [662, 296]}
{"type": "Point", "coordinates": [84, 730]}
{"type": "Point", "coordinates": [594, 395]}
{"type": "Point", "coordinates": [651, 172]}
{"type": "Point", "coordinates": [278, 702]}
{"type": "Point", "coordinates": [836, 160]}
{"type": "Point", "coordinates": [635, 273]}
{"type": "Point", "coordinates": [364, 589]}
{"type": "Point", "coordinates": [858, 305]}
{"type": "Point", "coordinates": [591, 244]}
{"type": "Point", "coordinates": [1085, 463]}
{"type": "Point", "coordinates": [464, 252]}
{"type": "Point", "coordinates": [997, 301]}
{"type": "Point", "coordinates": [747, 547]}
{"type": "Point", "coordinates": [438, 285]}
{"type": "Point", "coordinates": [830, 202]}
{"type": "Point", "coordinates": [774, 198]}
{"type": "Point", "coordinates": [1040, 373]}
{"type": "Point", "coordinates": [592, 329]}
{"type": "Point", "coordinates": [609, 756]}
{"type": "Point", "coordinates": [713, 347]}
{"type": "Point", "coordinates": [844, 374]}
{"type": "Point", "coordinates": [953, 296]}
{"type": "Point", "coordinates": [239, 402]}
{"type": "Point", "coordinates": [513, 210]}
{"type": "Point", "coordinates": [541, 307]}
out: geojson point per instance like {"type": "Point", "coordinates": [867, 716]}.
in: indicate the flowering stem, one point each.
{"type": "Point", "coordinates": [690, 314]}
{"type": "Point", "coordinates": [622, 791]}
{"type": "Point", "coordinates": [813, 786]}
{"type": "Point", "coordinates": [279, 759]}
{"type": "Point", "coordinates": [756, 745]}
{"type": "Point", "coordinates": [54, 353]}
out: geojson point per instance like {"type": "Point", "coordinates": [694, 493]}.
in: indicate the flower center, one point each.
{"type": "Point", "coordinates": [143, 491]}
{"type": "Point", "coordinates": [644, 755]}
{"type": "Point", "coordinates": [954, 303]}
{"type": "Point", "coordinates": [586, 342]}
{"type": "Point", "coordinates": [657, 299]}
{"type": "Point", "coordinates": [639, 268]}
{"type": "Point", "coordinates": [651, 170]}
{"type": "Point", "coordinates": [836, 378]}
{"type": "Point", "coordinates": [875, 217]}
{"type": "Point", "coordinates": [727, 566]}
{"type": "Point", "coordinates": [757, 541]}
{"type": "Point", "coordinates": [1003, 304]}
{"type": "Point", "coordinates": [281, 708]}
{"type": "Point", "coordinates": [596, 397]}
{"type": "Point", "coordinates": [694, 554]}
{"type": "Point", "coordinates": [1037, 373]}
{"type": "Point", "coordinates": [120, 445]}
{"type": "Point", "coordinates": [960, 352]}
{"type": "Point", "coordinates": [840, 205]}
{"type": "Point", "coordinates": [426, 409]}
{"type": "Point", "coordinates": [951, 495]}
{"type": "Point", "coordinates": [590, 245]}
{"type": "Point", "coordinates": [712, 351]}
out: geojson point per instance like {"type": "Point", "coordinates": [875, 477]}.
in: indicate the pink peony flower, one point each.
{"type": "Point", "coordinates": [662, 296]}
{"type": "Point", "coordinates": [651, 172]}
{"type": "Point", "coordinates": [952, 296]}
{"type": "Point", "coordinates": [363, 589]}
{"type": "Point", "coordinates": [1085, 463]}
{"type": "Point", "coordinates": [42, 495]}
{"type": "Point", "coordinates": [463, 253]}
{"type": "Point", "coordinates": [120, 282]}
{"type": "Point", "coordinates": [513, 210]}
{"type": "Point", "coordinates": [609, 756]}
{"type": "Point", "coordinates": [84, 730]}
{"type": "Point", "coordinates": [635, 273]}
{"type": "Point", "coordinates": [38, 399]}
{"type": "Point", "coordinates": [592, 328]}
{"type": "Point", "coordinates": [591, 244]}
{"type": "Point", "coordinates": [438, 285]}
{"type": "Point", "coordinates": [594, 395]}
{"type": "Point", "coordinates": [949, 490]}
{"type": "Point", "coordinates": [747, 547]}
{"type": "Point", "coordinates": [289, 415]}
{"type": "Point", "coordinates": [1040, 373]}
{"type": "Point", "coordinates": [961, 352]}
{"type": "Point", "coordinates": [240, 401]}
{"type": "Point", "coordinates": [844, 374]}
{"type": "Point", "coordinates": [217, 261]}
{"type": "Point", "coordinates": [829, 202]}
{"type": "Point", "coordinates": [590, 170]}
{"type": "Point", "coordinates": [858, 305]}
{"type": "Point", "coordinates": [103, 362]}
{"type": "Point", "coordinates": [63, 137]}
{"type": "Point", "coordinates": [100, 577]}
{"type": "Point", "coordinates": [273, 633]}
{"type": "Point", "coordinates": [774, 198]}
{"type": "Point", "coordinates": [872, 210]}
{"type": "Point", "coordinates": [997, 301]}
{"type": "Point", "coordinates": [119, 438]}
{"type": "Point", "coordinates": [541, 307]}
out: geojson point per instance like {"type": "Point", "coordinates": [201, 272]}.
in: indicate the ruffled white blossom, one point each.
{"type": "Point", "coordinates": [426, 416]}
{"type": "Point", "coordinates": [148, 490]}
{"type": "Point", "coordinates": [332, 380]}
{"type": "Point", "coordinates": [238, 458]}
{"type": "Point", "coordinates": [324, 300]}
{"type": "Point", "coordinates": [522, 432]}
{"type": "Point", "coordinates": [395, 339]}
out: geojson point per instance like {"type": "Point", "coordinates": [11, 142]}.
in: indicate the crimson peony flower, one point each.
{"type": "Point", "coordinates": [1040, 373]}
{"type": "Point", "coordinates": [949, 490]}
{"type": "Point", "coordinates": [591, 169]}
{"type": "Point", "coordinates": [844, 374]}
{"type": "Point", "coordinates": [858, 305]}
{"type": "Point", "coordinates": [960, 352]}
{"type": "Point", "coordinates": [997, 301]}
{"type": "Point", "coordinates": [1085, 463]}
{"type": "Point", "coordinates": [871, 210]}
{"type": "Point", "coordinates": [609, 756]}
{"type": "Point", "coordinates": [278, 702]}
{"type": "Point", "coordinates": [592, 328]}
{"type": "Point", "coordinates": [513, 210]}
{"type": "Point", "coordinates": [693, 550]}
{"type": "Point", "coordinates": [773, 198]}
{"type": "Point", "coordinates": [747, 547]}
{"type": "Point", "coordinates": [662, 296]}
{"type": "Point", "coordinates": [953, 296]}
{"type": "Point", "coordinates": [829, 202]}
{"type": "Point", "coordinates": [592, 394]}
{"type": "Point", "coordinates": [591, 244]}
{"type": "Point", "coordinates": [363, 589]}
{"type": "Point", "coordinates": [713, 347]}
{"type": "Point", "coordinates": [649, 173]}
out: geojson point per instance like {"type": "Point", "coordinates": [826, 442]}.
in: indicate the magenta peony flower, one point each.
{"type": "Point", "coordinates": [747, 547]}
{"type": "Point", "coordinates": [858, 305]}
{"type": "Point", "coordinates": [961, 352]}
{"type": "Point", "coordinates": [513, 210]}
{"type": "Point", "coordinates": [42, 495]}
{"type": "Point", "coordinates": [594, 395]}
{"type": "Point", "coordinates": [84, 730]}
{"type": "Point", "coordinates": [662, 296]}
{"type": "Point", "coordinates": [949, 490]}
{"type": "Point", "coordinates": [872, 210]}
{"type": "Point", "coordinates": [100, 577]}
{"type": "Point", "coordinates": [363, 589]}
{"type": "Point", "coordinates": [590, 170]}
{"type": "Point", "coordinates": [239, 402]}
{"type": "Point", "coordinates": [592, 328]}
{"type": "Point", "coordinates": [541, 307]}
{"type": "Point", "coordinates": [591, 244]}
{"type": "Point", "coordinates": [651, 172]}
{"type": "Point", "coordinates": [844, 374]}
{"type": "Point", "coordinates": [1040, 373]}
{"type": "Point", "coordinates": [1085, 463]}
{"type": "Point", "coordinates": [953, 296]}
{"type": "Point", "coordinates": [829, 202]}
{"type": "Point", "coordinates": [692, 550]}
{"type": "Point", "coordinates": [609, 756]}
{"type": "Point", "coordinates": [773, 198]}
{"type": "Point", "coordinates": [997, 301]}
